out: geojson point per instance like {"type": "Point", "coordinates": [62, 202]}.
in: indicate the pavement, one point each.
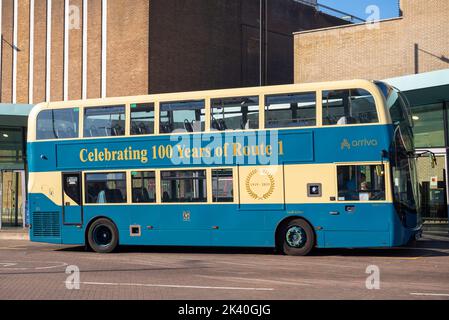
{"type": "Point", "coordinates": [43, 271]}
{"type": "Point", "coordinates": [14, 234]}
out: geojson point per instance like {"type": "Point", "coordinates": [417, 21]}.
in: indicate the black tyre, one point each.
{"type": "Point", "coordinates": [103, 236]}
{"type": "Point", "coordinates": [296, 238]}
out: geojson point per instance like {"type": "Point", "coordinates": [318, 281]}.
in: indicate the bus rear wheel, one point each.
{"type": "Point", "coordinates": [296, 238]}
{"type": "Point", "coordinates": [103, 236]}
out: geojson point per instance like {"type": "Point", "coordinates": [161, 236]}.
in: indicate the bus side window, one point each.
{"type": "Point", "coordinates": [352, 106]}
{"type": "Point", "coordinates": [222, 185]}
{"type": "Point", "coordinates": [144, 187]}
{"type": "Point", "coordinates": [57, 124]}
{"type": "Point", "coordinates": [361, 183]}
{"type": "Point", "coordinates": [290, 110]}
{"type": "Point", "coordinates": [142, 119]}
{"type": "Point", "coordinates": [183, 186]}
{"type": "Point", "coordinates": [240, 113]}
{"type": "Point", "coordinates": [108, 121]}
{"type": "Point", "coordinates": [182, 116]}
{"type": "Point", "coordinates": [106, 188]}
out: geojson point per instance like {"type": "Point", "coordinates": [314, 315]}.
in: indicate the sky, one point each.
{"type": "Point", "coordinates": [388, 8]}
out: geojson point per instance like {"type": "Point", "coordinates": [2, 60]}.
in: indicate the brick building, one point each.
{"type": "Point", "coordinates": [55, 50]}
{"type": "Point", "coordinates": [417, 41]}
{"type": "Point", "coordinates": [410, 52]}
{"type": "Point", "coordinates": [70, 49]}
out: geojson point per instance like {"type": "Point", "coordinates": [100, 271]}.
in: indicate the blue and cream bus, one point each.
{"type": "Point", "coordinates": [326, 165]}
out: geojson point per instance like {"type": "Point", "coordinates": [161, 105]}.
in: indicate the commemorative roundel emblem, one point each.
{"type": "Point", "coordinates": [260, 184]}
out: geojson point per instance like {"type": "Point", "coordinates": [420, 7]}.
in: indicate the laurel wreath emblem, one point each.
{"type": "Point", "coordinates": [253, 194]}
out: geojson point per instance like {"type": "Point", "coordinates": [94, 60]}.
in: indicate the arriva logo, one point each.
{"type": "Point", "coordinates": [346, 144]}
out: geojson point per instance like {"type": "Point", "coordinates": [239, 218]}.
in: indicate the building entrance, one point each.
{"type": "Point", "coordinates": [12, 198]}
{"type": "Point", "coordinates": [434, 188]}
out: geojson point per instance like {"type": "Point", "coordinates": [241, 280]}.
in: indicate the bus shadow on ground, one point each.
{"type": "Point", "coordinates": [425, 248]}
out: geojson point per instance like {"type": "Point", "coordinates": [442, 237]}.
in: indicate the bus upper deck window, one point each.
{"type": "Point", "coordinates": [182, 116]}
{"type": "Point", "coordinates": [239, 113]}
{"type": "Point", "coordinates": [57, 124]}
{"type": "Point", "coordinates": [104, 121]}
{"type": "Point", "coordinates": [343, 107]}
{"type": "Point", "coordinates": [290, 110]}
{"type": "Point", "coordinates": [142, 119]}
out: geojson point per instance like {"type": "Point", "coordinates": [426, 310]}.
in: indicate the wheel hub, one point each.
{"type": "Point", "coordinates": [102, 236]}
{"type": "Point", "coordinates": [296, 237]}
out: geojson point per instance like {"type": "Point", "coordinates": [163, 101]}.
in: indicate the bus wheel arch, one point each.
{"type": "Point", "coordinates": [108, 230]}
{"type": "Point", "coordinates": [297, 224]}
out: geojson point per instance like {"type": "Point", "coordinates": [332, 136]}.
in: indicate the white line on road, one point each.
{"type": "Point", "coordinates": [240, 279]}
{"type": "Point", "coordinates": [173, 286]}
{"type": "Point", "coordinates": [430, 294]}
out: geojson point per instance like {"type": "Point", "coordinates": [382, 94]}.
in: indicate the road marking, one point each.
{"type": "Point", "coordinates": [7, 265]}
{"type": "Point", "coordinates": [173, 286]}
{"type": "Point", "coordinates": [240, 279]}
{"type": "Point", "coordinates": [430, 294]}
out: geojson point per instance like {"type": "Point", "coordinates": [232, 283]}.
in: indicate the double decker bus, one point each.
{"type": "Point", "coordinates": [293, 167]}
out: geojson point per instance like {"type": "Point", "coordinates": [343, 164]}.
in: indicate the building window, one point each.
{"type": "Point", "coordinates": [58, 124]}
{"type": "Point", "coordinates": [343, 107]}
{"type": "Point", "coordinates": [104, 121]}
{"type": "Point", "coordinates": [222, 185]}
{"type": "Point", "coordinates": [12, 146]}
{"type": "Point", "coordinates": [184, 116]}
{"type": "Point", "coordinates": [144, 187]}
{"type": "Point", "coordinates": [142, 119]}
{"type": "Point", "coordinates": [361, 183]}
{"type": "Point", "coordinates": [429, 126]}
{"type": "Point", "coordinates": [240, 113]}
{"type": "Point", "coordinates": [183, 186]}
{"type": "Point", "coordinates": [290, 110]}
{"type": "Point", "coordinates": [106, 187]}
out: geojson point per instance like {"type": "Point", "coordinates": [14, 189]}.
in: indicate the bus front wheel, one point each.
{"type": "Point", "coordinates": [103, 236]}
{"type": "Point", "coordinates": [296, 238]}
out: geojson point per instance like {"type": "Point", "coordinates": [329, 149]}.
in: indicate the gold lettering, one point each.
{"type": "Point", "coordinates": [237, 149]}
{"type": "Point", "coordinates": [82, 158]}
{"type": "Point", "coordinates": [144, 156]}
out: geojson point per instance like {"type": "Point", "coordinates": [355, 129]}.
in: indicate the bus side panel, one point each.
{"type": "Point", "coordinates": [228, 225]}
{"type": "Point", "coordinates": [46, 220]}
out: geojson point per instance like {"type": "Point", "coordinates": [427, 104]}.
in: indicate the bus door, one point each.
{"type": "Point", "coordinates": [71, 198]}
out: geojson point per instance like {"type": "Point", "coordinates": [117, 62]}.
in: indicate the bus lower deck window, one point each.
{"type": "Point", "coordinates": [361, 183]}
{"type": "Point", "coordinates": [106, 188]}
{"type": "Point", "coordinates": [222, 185]}
{"type": "Point", "coordinates": [144, 187]}
{"type": "Point", "coordinates": [183, 186]}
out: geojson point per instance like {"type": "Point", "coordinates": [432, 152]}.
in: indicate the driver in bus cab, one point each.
{"type": "Point", "coordinates": [353, 188]}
